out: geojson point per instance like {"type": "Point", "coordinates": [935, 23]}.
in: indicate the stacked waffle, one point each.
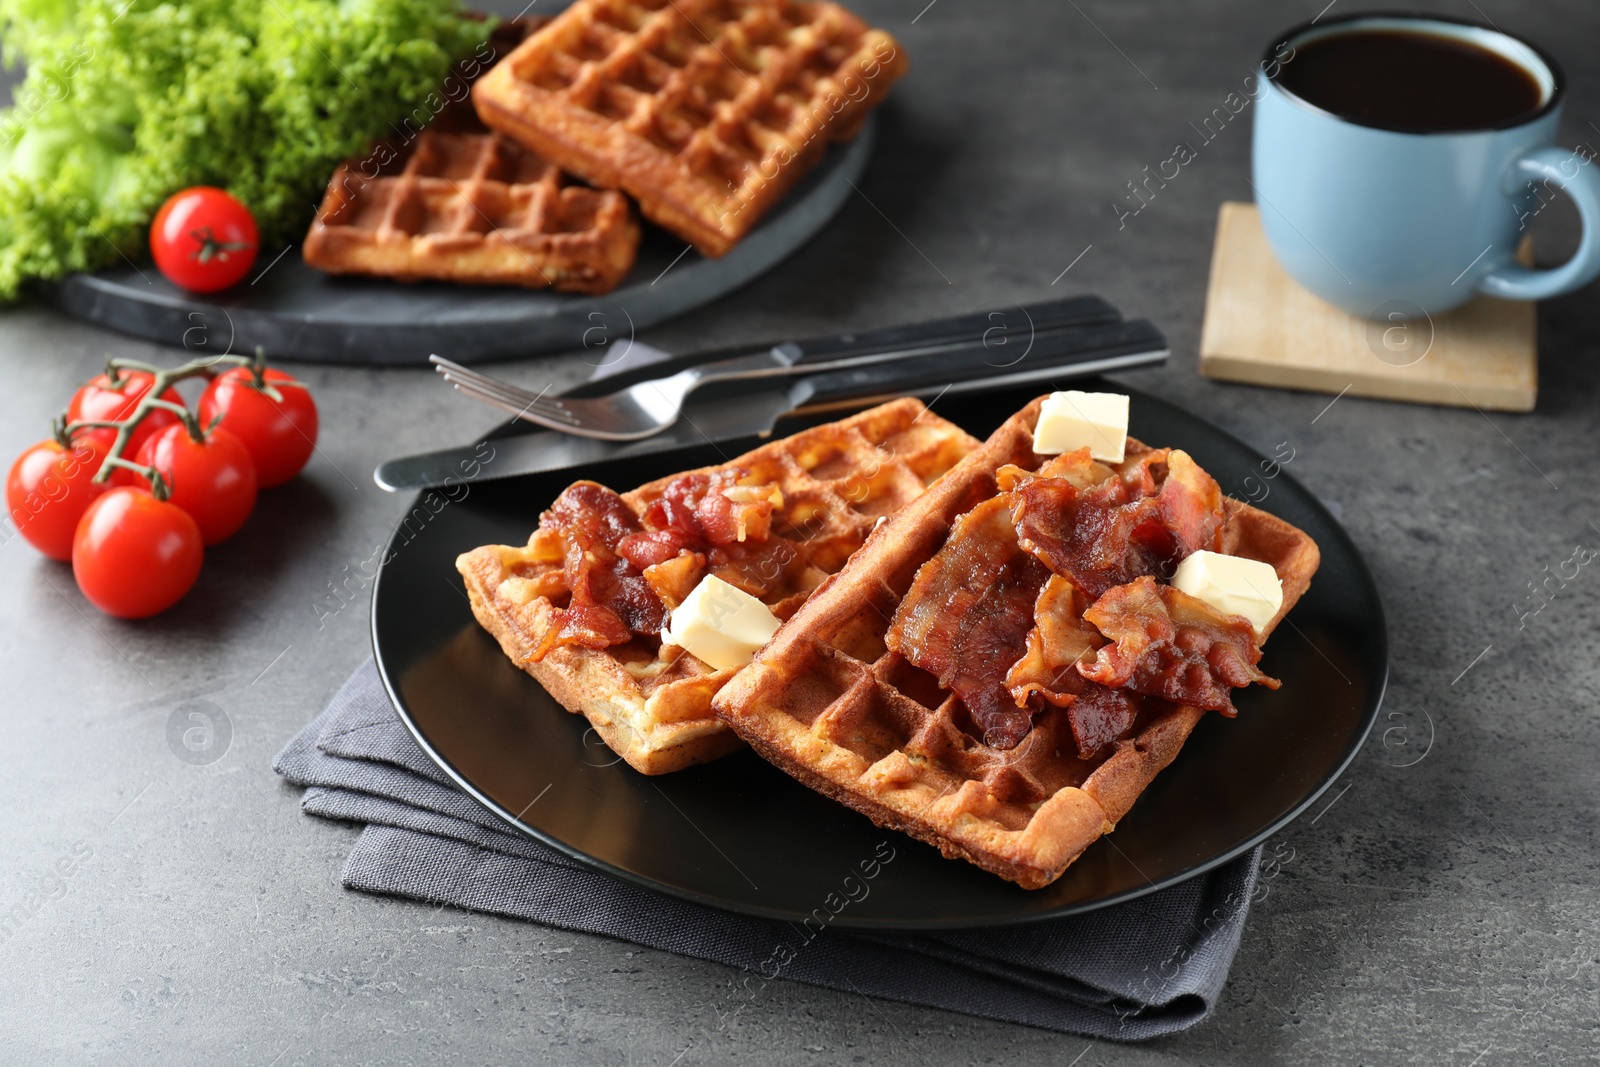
{"type": "Point", "coordinates": [831, 700]}
{"type": "Point", "coordinates": [650, 701]}
{"type": "Point", "coordinates": [704, 111]}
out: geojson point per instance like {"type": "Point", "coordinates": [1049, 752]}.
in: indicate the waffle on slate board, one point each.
{"type": "Point", "coordinates": [705, 111]}
{"type": "Point", "coordinates": [476, 208]}
{"type": "Point", "coordinates": [456, 201]}
{"type": "Point", "coordinates": [773, 523]}
{"type": "Point", "coordinates": [998, 671]}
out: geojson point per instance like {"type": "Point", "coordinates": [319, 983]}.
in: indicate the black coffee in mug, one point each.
{"type": "Point", "coordinates": [1410, 80]}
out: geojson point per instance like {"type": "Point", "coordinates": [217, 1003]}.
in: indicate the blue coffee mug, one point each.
{"type": "Point", "coordinates": [1386, 223]}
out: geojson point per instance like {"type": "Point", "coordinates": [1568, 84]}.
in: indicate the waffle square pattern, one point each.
{"type": "Point", "coordinates": [705, 111]}
{"type": "Point", "coordinates": [828, 700]}
{"type": "Point", "coordinates": [471, 206]}
{"type": "Point", "coordinates": [650, 702]}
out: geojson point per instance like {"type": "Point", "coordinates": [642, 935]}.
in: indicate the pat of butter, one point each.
{"type": "Point", "coordinates": [1072, 420]}
{"type": "Point", "coordinates": [1231, 584]}
{"type": "Point", "coordinates": [720, 624]}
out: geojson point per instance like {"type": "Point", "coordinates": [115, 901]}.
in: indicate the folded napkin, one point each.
{"type": "Point", "coordinates": [1149, 967]}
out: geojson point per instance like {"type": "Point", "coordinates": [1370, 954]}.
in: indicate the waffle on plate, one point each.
{"type": "Point", "coordinates": [996, 672]}
{"type": "Point", "coordinates": [774, 522]}
{"type": "Point", "coordinates": [458, 202]}
{"type": "Point", "coordinates": [705, 111]}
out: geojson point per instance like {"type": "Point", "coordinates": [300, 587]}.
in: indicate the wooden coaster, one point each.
{"type": "Point", "coordinates": [1262, 327]}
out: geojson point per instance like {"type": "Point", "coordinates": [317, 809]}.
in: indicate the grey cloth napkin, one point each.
{"type": "Point", "coordinates": [1149, 967]}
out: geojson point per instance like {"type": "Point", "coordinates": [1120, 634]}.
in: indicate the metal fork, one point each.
{"type": "Point", "coordinates": [640, 410]}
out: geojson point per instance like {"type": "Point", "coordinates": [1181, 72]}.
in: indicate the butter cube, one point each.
{"type": "Point", "coordinates": [721, 624]}
{"type": "Point", "coordinates": [1072, 420]}
{"type": "Point", "coordinates": [1231, 584]}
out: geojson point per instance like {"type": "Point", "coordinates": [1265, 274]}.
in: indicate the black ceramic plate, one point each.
{"type": "Point", "coordinates": [742, 835]}
{"type": "Point", "coordinates": [300, 313]}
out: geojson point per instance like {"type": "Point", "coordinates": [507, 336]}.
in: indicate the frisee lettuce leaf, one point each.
{"type": "Point", "coordinates": [127, 101]}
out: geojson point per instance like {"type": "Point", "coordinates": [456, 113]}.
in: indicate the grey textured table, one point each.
{"type": "Point", "coordinates": [1440, 908]}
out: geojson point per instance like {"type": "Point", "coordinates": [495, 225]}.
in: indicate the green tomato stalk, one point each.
{"type": "Point", "coordinates": [162, 378]}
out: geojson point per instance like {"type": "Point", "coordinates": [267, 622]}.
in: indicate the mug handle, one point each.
{"type": "Point", "coordinates": [1549, 165]}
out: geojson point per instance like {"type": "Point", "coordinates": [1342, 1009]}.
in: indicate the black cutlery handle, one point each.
{"type": "Point", "coordinates": [1050, 354]}
{"type": "Point", "coordinates": [992, 327]}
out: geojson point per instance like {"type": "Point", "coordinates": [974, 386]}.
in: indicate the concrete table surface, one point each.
{"type": "Point", "coordinates": [1441, 908]}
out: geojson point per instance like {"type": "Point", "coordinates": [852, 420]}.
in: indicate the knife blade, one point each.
{"type": "Point", "coordinates": [745, 409]}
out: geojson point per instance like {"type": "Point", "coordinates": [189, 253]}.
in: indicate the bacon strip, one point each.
{"type": "Point", "coordinates": [1100, 715]}
{"type": "Point", "coordinates": [1172, 645]}
{"type": "Point", "coordinates": [611, 600]}
{"type": "Point", "coordinates": [765, 569]}
{"type": "Point", "coordinates": [624, 573]}
{"type": "Point", "coordinates": [1009, 636]}
{"type": "Point", "coordinates": [699, 510]}
{"type": "Point", "coordinates": [1190, 505]}
{"type": "Point", "coordinates": [967, 615]}
{"type": "Point", "coordinates": [1159, 508]}
{"type": "Point", "coordinates": [1058, 641]}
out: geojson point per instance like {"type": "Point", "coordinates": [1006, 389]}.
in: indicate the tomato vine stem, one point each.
{"type": "Point", "coordinates": [162, 379]}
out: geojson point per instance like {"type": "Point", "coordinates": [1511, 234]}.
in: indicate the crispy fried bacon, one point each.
{"type": "Point", "coordinates": [699, 510]}
{"type": "Point", "coordinates": [1158, 508]}
{"type": "Point", "coordinates": [1058, 641]}
{"type": "Point", "coordinates": [610, 597]}
{"type": "Point", "coordinates": [1099, 715]}
{"type": "Point", "coordinates": [767, 569]}
{"type": "Point", "coordinates": [1094, 536]}
{"type": "Point", "coordinates": [624, 573]}
{"type": "Point", "coordinates": [1190, 505]}
{"type": "Point", "coordinates": [1078, 467]}
{"type": "Point", "coordinates": [1172, 645]}
{"type": "Point", "coordinates": [1007, 635]}
{"type": "Point", "coordinates": [967, 615]}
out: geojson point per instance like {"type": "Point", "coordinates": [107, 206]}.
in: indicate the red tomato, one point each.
{"type": "Point", "coordinates": [279, 435]}
{"type": "Point", "coordinates": [50, 487]}
{"type": "Point", "coordinates": [213, 480]}
{"type": "Point", "coordinates": [134, 555]}
{"type": "Point", "coordinates": [203, 239]}
{"type": "Point", "coordinates": [100, 401]}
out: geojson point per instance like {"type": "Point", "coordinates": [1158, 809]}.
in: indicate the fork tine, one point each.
{"type": "Point", "coordinates": [505, 396]}
{"type": "Point", "coordinates": [516, 410]}
{"type": "Point", "coordinates": [519, 399]}
{"type": "Point", "coordinates": [452, 371]}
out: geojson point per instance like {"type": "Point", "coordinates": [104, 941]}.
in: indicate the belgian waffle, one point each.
{"type": "Point", "coordinates": [474, 208]}
{"type": "Point", "coordinates": [829, 703]}
{"type": "Point", "coordinates": [652, 703]}
{"type": "Point", "coordinates": [457, 202]}
{"type": "Point", "coordinates": [706, 111]}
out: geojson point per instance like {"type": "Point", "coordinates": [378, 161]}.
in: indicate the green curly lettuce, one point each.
{"type": "Point", "coordinates": [127, 101]}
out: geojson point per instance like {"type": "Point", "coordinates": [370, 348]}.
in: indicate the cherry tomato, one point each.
{"type": "Point", "coordinates": [50, 487]}
{"type": "Point", "coordinates": [100, 401]}
{"type": "Point", "coordinates": [279, 434]}
{"type": "Point", "coordinates": [214, 480]}
{"type": "Point", "coordinates": [203, 239]}
{"type": "Point", "coordinates": [134, 555]}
